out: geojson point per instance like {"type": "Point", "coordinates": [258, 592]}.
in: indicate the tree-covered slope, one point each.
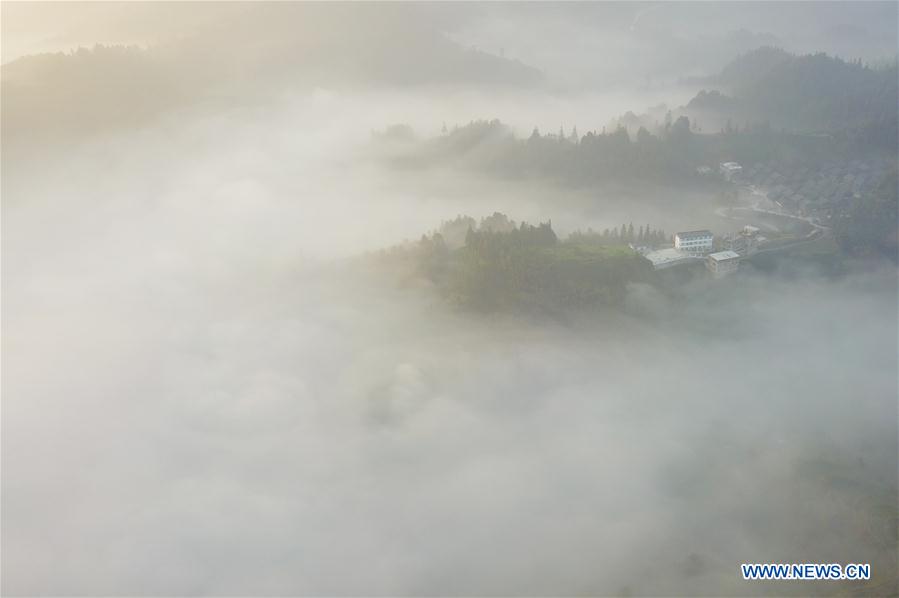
{"type": "Point", "coordinates": [502, 266]}
{"type": "Point", "coordinates": [813, 92]}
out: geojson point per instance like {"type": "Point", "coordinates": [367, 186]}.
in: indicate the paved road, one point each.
{"type": "Point", "coordinates": [814, 235]}
{"type": "Point", "coordinates": [818, 230]}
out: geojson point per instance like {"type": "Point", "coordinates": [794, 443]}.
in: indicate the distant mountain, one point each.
{"type": "Point", "coordinates": [812, 93]}
{"type": "Point", "coordinates": [710, 101]}
{"type": "Point", "coordinates": [753, 67]}
{"type": "Point", "coordinates": [64, 95]}
{"type": "Point", "coordinates": [268, 50]}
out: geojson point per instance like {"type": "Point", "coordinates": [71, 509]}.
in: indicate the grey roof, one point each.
{"type": "Point", "coordinates": [694, 233]}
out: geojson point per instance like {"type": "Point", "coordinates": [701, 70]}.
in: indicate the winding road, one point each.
{"type": "Point", "coordinates": [818, 230]}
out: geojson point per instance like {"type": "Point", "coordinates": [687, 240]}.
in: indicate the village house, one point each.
{"type": "Point", "coordinates": [729, 170]}
{"type": "Point", "coordinates": [695, 242]}
{"type": "Point", "coordinates": [722, 263]}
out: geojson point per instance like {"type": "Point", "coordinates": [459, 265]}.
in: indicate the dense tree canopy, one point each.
{"type": "Point", "coordinates": [809, 93]}
{"type": "Point", "coordinates": [503, 266]}
{"type": "Point", "coordinates": [872, 221]}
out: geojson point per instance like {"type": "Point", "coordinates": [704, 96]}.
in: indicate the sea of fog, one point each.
{"type": "Point", "coordinates": [203, 395]}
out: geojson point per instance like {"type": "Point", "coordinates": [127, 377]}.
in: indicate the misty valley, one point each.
{"type": "Point", "coordinates": [479, 299]}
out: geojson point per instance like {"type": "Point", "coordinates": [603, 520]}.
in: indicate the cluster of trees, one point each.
{"type": "Point", "coordinates": [670, 153]}
{"type": "Point", "coordinates": [526, 235]}
{"type": "Point", "coordinates": [491, 146]}
{"type": "Point", "coordinates": [775, 106]}
{"type": "Point", "coordinates": [871, 224]}
{"type": "Point", "coordinates": [505, 266]}
{"type": "Point", "coordinates": [454, 232]}
{"type": "Point", "coordinates": [813, 92]}
{"type": "Point", "coordinates": [643, 237]}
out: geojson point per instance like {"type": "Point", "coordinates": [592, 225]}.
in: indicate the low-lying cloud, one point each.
{"type": "Point", "coordinates": [202, 396]}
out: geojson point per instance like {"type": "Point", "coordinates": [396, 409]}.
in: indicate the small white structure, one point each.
{"type": "Point", "coordinates": [746, 242]}
{"type": "Point", "coordinates": [750, 230]}
{"type": "Point", "coordinates": [722, 263]}
{"type": "Point", "coordinates": [694, 242]}
{"type": "Point", "coordinates": [730, 169]}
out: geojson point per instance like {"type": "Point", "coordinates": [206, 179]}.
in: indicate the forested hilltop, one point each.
{"type": "Point", "coordinates": [671, 152]}
{"type": "Point", "coordinates": [64, 95]}
{"type": "Point", "coordinates": [772, 107]}
{"type": "Point", "coordinates": [870, 224]}
{"type": "Point", "coordinates": [500, 265]}
{"type": "Point", "coordinates": [808, 93]}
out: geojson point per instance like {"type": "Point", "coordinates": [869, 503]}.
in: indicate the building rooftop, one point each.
{"type": "Point", "coordinates": [724, 255]}
{"type": "Point", "coordinates": [667, 257]}
{"type": "Point", "coordinates": [694, 233]}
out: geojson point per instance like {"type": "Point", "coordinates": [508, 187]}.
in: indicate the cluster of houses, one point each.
{"type": "Point", "coordinates": [745, 242]}
{"type": "Point", "coordinates": [692, 246]}
{"type": "Point", "coordinates": [816, 190]}
{"type": "Point", "coordinates": [819, 191]}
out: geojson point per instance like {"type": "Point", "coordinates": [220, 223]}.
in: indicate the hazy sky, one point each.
{"type": "Point", "coordinates": [547, 35]}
